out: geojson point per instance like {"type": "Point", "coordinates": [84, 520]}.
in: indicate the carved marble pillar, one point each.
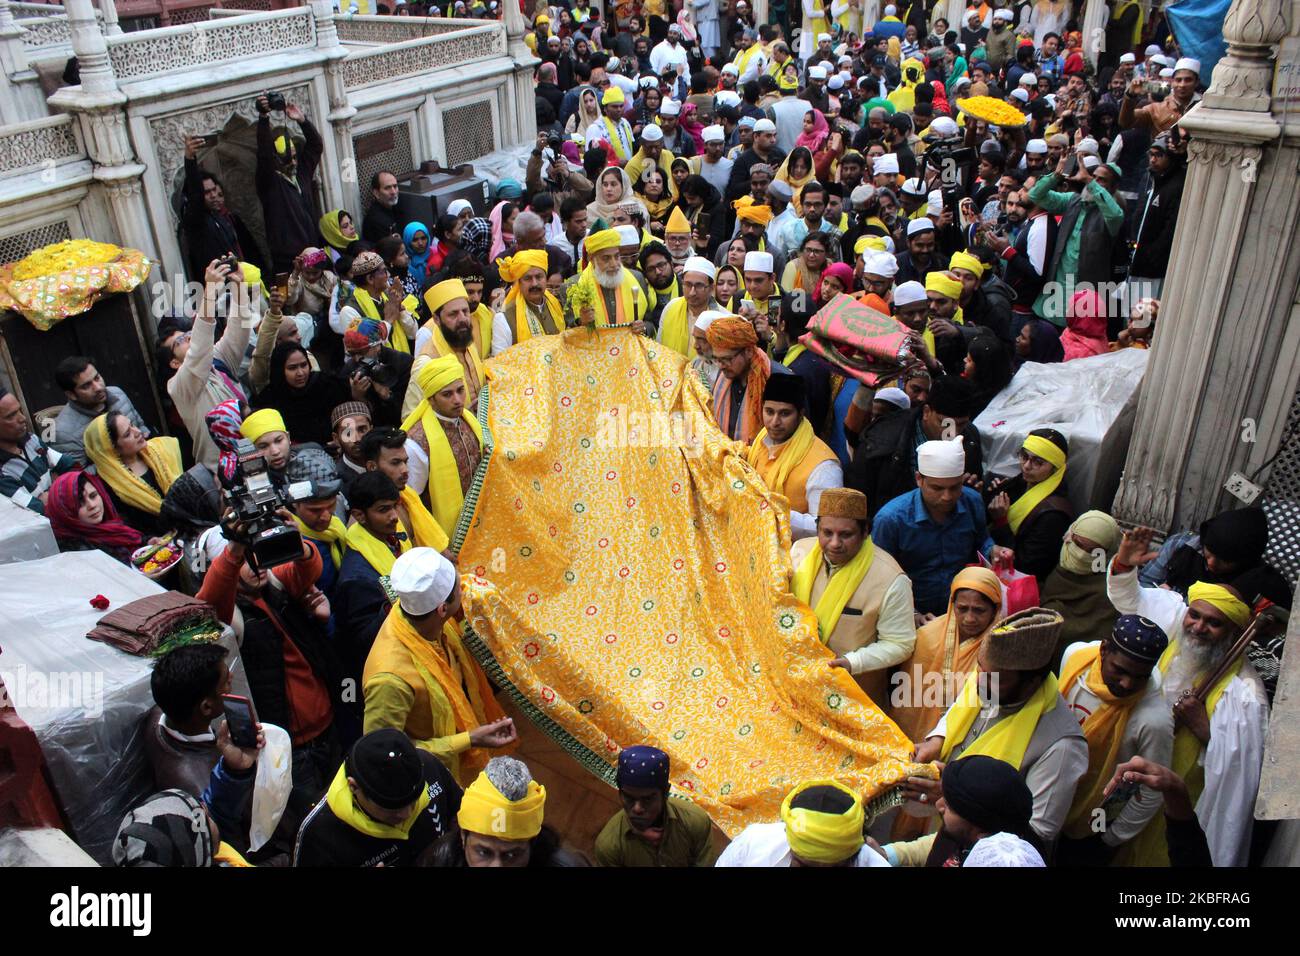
{"type": "Point", "coordinates": [340, 178]}
{"type": "Point", "coordinates": [1095, 15]}
{"type": "Point", "coordinates": [522, 123]}
{"type": "Point", "coordinates": [1223, 365]}
{"type": "Point", "coordinates": [760, 11]}
{"type": "Point", "coordinates": [13, 60]}
{"type": "Point", "coordinates": [956, 10]}
{"type": "Point", "coordinates": [109, 9]}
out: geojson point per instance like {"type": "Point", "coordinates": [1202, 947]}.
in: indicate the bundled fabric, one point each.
{"type": "Point", "coordinates": [151, 624]}
{"type": "Point", "coordinates": [858, 340]}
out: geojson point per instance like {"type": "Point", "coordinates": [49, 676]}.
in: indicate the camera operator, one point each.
{"type": "Point", "coordinates": [284, 181]}
{"type": "Point", "coordinates": [549, 171]}
{"type": "Point", "coordinates": [377, 374]}
{"type": "Point", "coordinates": [293, 672]}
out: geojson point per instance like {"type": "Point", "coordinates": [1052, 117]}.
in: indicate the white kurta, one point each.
{"type": "Point", "coordinates": [665, 55]}
{"type": "Point", "coordinates": [765, 844]}
{"type": "Point", "coordinates": [1235, 755]}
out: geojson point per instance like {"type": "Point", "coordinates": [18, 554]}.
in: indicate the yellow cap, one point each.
{"type": "Point", "coordinates": [677, 223]}
{"type": "Point", "coordinates": [944, 284]}
{"type": "Point", "coordinates": [262, 423]}
{"type": "Point", "coordinates": [964, 260]}
{"type": "Point", "coordinates": [445, 291]}
{"type": "Point", "coordinates": [483, 809]}
{"type": "Point", "coordinates": [603, 239]}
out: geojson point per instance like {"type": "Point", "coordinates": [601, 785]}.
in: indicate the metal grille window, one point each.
{"type": "Point", "coordinates": [468, 133]}
{"type": "Point", "coordinates": [1281, 499]}
{"type": "Point", "coordinates": [387, 148]}
{"type": "Point", "coordinates": [15, 247]}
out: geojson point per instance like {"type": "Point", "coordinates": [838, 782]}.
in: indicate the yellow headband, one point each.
{"type": "Point", "coordinates": [262, 423]}
{"type": "Point", "coordinates": [869, 242]}
{"type": "Point", "coordinates": [823, 837]}
{"type": "Point", "coordinates": [513, 268]}
{"type": "Point", "coordinates": [448, 290]}
{"type": "Point", "coordinates": [603, 239]}
{"type": "Point", "coordinates": [281, 145]}
{"type": "Point", "coordinates": [1234, 608]}
{"type": "Point", "coordinates": [1047, 450]}
{"type": "Point", "coordinates": [484, 810]}
{"type": "Point", "coordinates": [944, 284]}
{"type": "Point", "coordinates": [436, 375]}
{"type": "Point", "coordinates": [964, 260]}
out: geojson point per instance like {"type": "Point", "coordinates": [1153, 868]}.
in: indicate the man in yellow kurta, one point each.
{"type": "Point", "coordinates": [444, 441]}
{"type": "Point", "coordinates": [454, 329]}
{"type": "Point", "coordinates": [862, 598]}
{"type": "Point", "coordinates": [420, 679]}
{"type": "Point", "coordinates": [790, 459]}
{"type": "Point", "coordinates": [530, 309]}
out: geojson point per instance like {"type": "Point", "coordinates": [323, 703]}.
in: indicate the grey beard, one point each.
{"type": "Point", "coordinates": [1195, 658]}
{"type": "Point", "coordinates": [609, 280]}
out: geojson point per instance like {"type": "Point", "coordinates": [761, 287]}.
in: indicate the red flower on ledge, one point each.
{"type": "Point", "coordinates": [99, 602]}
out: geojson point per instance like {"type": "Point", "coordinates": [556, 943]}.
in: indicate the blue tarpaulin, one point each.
{"type": "Point", "coordinates": [1198, 27]}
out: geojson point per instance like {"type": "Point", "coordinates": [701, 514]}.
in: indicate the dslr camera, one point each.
{"type": "Point", "coordinates": [256, 496]}
{"type": "Point", "coordinates": [374, 369]}
{"type": "Point", "coordinates": [950, 157]}
{"type": "Point", "coordinates": [275, 101]}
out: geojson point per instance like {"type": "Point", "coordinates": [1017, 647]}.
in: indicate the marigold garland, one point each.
{"type": "Point", "coordinates": [992, 110]}
{"type": "Point", "coordinates": [66, 256]}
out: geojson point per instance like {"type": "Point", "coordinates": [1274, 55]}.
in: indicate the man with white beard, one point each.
{"type": "Point", "coordinates": [1218, 743]}
{"type": "Point", "coordinates": [621, 300]}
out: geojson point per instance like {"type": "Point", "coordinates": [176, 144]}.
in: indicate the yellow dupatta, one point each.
{"type": "Point", "coordinates": [615, 140]}
{"type": "Point", "coordinates": [525, 326]}
{"type": "Point", "coordinates": [794, 352]}
{"type": "Point", "coordinates": [744, 56]}
{"type": "Point", "coordinates": [844, 581]}
{"type": "Point", "coordinates": [425, 531]}
{"type": "Point", "coordinates": [1006, 740]}
{"type": "Point", "coordinates": [787, 459]}
{"type": "Point", "coordinates": [162, 455]}
{"type": "Point", "coordinates": [1049, 452]}
{"type": "Point", "coordinates": [344, 806]}
{"type": "Point", "coordinates": [475, 361]}
{"type": "Point", "coordinates": [1103, 729]}
{"type": "Point", "coordinates": [675, 328]}
{"type": "Point", "coordinates": [628, 293]}
{"type": "Point", "coordinates": [377, 554]}
{"type": "Point", "coordinates": [449, 671]}
{"type": "Point", "coordinates": [336, 536]}
{"type": "Point", "coordinates": [483, 316]}
{"type": "Point", "coordinates": [396, 335]}
{"type": "Point", "coordinates": [446, 497]}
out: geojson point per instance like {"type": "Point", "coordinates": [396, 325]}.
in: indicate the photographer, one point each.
{"type": "Point", "coordinates": [549, 171]}
{"type": "Point", "coordinates": [284, 181]}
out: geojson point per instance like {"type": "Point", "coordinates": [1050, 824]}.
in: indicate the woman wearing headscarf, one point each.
{"type": "Point", "coordinates": [338, 231]}
{"type": "Point", "coordinates": [476, 239]}
{"type": "Point", "coordinates": [450, 230]}
{"type": "Point", "coordinates": [612, 187]}
{"type": "Point", "coordinates": [1030, 511]}
{"type": "Point", "coordinates": [797, 170]}
{"type": "Point", "coordinates": [302, 397]}
{"type": "Point", "coordinates": [815, 131]}
{"type": "Point", "coordinates": [645, 108]}
{"type": "Point", "coordinates": [1077, 585]}
{"type": "Point", "coordinates": [1085, 332]}
{"type": "Point", "coordinates": [904, 95]}
{"type": "Point", "coordinates": [956, 64]}
{"type": "Point", "coordinates": [417, 240]}
{"type": "Point", "coordinates": [137, 472]}
{"type": "Point", "coordinates": [1038, 341]}
{"type": "Point", "coordinates": [947, 650]}
{"type": "Point", "coordinates": [502, 219]}
{"type": "Point", "coordinates": [83, 518]}
{"type": "Point", "coordinates": [729, 286]}
{"type": "Point", "coordinates": [838, 278]}
{"type": "Point", "coordinates": [652, 189]}
{"type": "Point", "coordinates": [588, 111]}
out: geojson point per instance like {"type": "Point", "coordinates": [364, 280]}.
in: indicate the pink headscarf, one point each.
{"type": "Point", "coordinates": [498, 234]}
{"type": "Point", "coordinates": [1086, 326]}
{"type": "Point", "coordinates": [692, 126]}
{"type": "Point", "coordinates": [840, 271]}
{"type": "Point", "coordinates": [821, 130]}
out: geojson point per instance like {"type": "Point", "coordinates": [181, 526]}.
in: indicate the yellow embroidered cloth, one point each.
{"type": "Point", "coordinates": [627, 579]}
{"type": "Point", "coordinates": [74, 284]}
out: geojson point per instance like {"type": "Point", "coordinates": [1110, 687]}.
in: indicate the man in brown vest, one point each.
{"type": "Point", "coordinates": [790, 459]}
{"type": "Point", "coordinates": [842, 568]}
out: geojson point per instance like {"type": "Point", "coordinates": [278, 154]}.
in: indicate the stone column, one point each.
{"type": "Point", "coordinates": [1095, 15]}
{"type": "Point", "coordinates": [871, 12]}
{"type": "Point", "coordinates": [522, 123]}
{"type": "Point", "coordinates": [109, 9]}
{"type": "Point", "coordinates": [760, 11]}
{"type": "Point", "coordinates": [956, 10]}
{"type": "Point", "coordinates": [13, 60]}
{"type": "Point", "coordinates": [1224, 363]}
{"type": "Point", "coordinates": [340, 178]}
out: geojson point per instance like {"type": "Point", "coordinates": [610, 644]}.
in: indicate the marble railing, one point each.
{"type": "Point", "coordinates": [367, 67]}
{"type": "Point", "coordinates": [368, 29]}
{"type": "Point", "coordinates": [43, 142]}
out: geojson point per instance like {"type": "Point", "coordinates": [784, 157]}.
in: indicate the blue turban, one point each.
{"type": "Point", "coordinates": [1139, 638]}
{"type": "Point", "coordinates": [642, 767]}
{"type": "Point", "coordinates": [510, 189]}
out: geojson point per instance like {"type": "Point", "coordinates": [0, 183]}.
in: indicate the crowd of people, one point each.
{"type": "Point", "coordinates": [718, 181]}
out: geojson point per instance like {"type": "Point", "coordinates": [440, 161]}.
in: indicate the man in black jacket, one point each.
{"type": "Point", "coordinates": [1158, 217]}
{"type": "Point", "coordinates": [884, 465]}
{"type": "Point", "coordinates": [382, 218]}
{"type": "Point", "coordinates": [211, 229]}
{"type": "Point", "coordinates": [985, 299]}
{"type": "Point", "coordinates": [284, 184]}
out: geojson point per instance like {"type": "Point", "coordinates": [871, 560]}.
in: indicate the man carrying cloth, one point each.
{"type": "Point", "coordinates": [821, 825]}
{"type": "Point", "coordinates": [530, 309]}
{"type": "Point", "coordinates": [420, 679]}
{"type": "Point", "coordinates": [651, 829]}
{"type": "Point", "coordinates": [1123, 714]}
{"type": "Point", "coordinates": [444, 442]}
{"type": "Point", "coordinates": [862, 598]}
{"type": "Point", "coordinates": [790, 459]}
{"type": "Point", "coordinates": [677, 323]}
{"type": "Point", "coordinates": [454, 329]}
{"type": "Point", "coordinates": [620, 299]}
{"type": "Point", "coordinates": [1219, 735]}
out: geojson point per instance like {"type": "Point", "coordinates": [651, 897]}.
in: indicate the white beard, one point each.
{"type": "Point", "coordinates": [609, 280]}
{"type": "Point", "coordinates": [1194, 659]}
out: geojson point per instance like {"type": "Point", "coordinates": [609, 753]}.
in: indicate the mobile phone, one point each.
{"type": "Point", "coordinates": [281, 282]}
{"type": "Point", "coordinates": [1122, 794]}
{"type": "Point", "coordinates": [702, 222]}
{"type": "Point", "coordinates": [242, 720]}
{"type": "Point", "coordinates": [211, 139]}
{"type": "Point", "coordinates": [773, 304]}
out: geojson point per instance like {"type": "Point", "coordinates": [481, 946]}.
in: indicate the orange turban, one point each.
{"type": "Point", "coordinates": [758, 212]}
{"type": "Point", "coordinates": [731, 334]}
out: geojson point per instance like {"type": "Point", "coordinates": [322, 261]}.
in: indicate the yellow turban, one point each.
{"type": "Point", "coordinates": [760, 213]}
{"type": "Point", "coordinates": [964, 260]}
{"type": "Point", "coordinates": [436, 375]}
{"type": "Point", "coordinates": [944, 284]}
{"type": "Point", "coordinates": [612, 96]}
{"type": "Point", "coordinates": [281, 145]}
{"type": "Point", "coordinates": [252, 274]}
{"type": "Point", "coordinates": [483, 809]}
{"type": "Point", "coordinates": [823, 837]}
{"type": "Point", "coordinates": [869, 242]}
{"type": "Point", "coordinates": [262, 423]}
{"type": "Point", "coordinates": [604, 239]}
{"type": "Point", "coordinates": [513, 268]}
{"type": "Point", "coordinates": [443, 292]}
{"type": "Point", "coordinates": [1234, 608]}
{"type": "Point", "coordinates": [677, 223]}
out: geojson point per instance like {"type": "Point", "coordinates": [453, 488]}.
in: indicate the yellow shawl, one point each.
{"type": "Point", "coordinates": [396, 335]}
{"type": "Point", "coordinates": [425, 531]}
{"type": "Point", "coordinates": [844, 581]}
{"type": "Point", "coordinates": [629, 296]}
{"type": "Point", "coordinates": [336, 536]}
{"type": "Point", "coordinates": [376, 552]}
{"type": "Point", "coordinates": [344, 806]}
{"type": "Point", "coordinates": [162, 455]}
{"type": "Point", "coordinates": [675, 328]}
{"type": "Point", "coordinates": [524, 325]}
{"type": "Point", "coordinates": [446, 497]}
{"type": "Point", "coordinates": [1008, 738]}
{"type": "Point", "coordinates": [791, 453]}
{"type": "Point", "coordinates": [470, 360]}
{"type": "Point", "coordinates": [615, 140]}
{"type": "Point", "coordinates": [1048, 451]}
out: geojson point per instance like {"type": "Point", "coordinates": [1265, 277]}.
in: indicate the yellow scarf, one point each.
{"type": "Point", "coordinates": [629, 295]}
{"type": "Point", "coordinates": [1022, 506]}
{"type": "Point", "coordinates": [376, 552]}
{"type": "Point", "coordinates": [484, 315]}
{"type": "Point", "coordinates": [424, 529]}
{"type": "Point", "coordinates": [449, 671]}
{"type": "Point", "coordinates": [439, 347]}
{"type": "Point", "coordinates": [792, 452]}
{"type": "Point", "coordinates": [227, 855]}
{"type": "Point", "coordinates": [844, 581]}
{"type": "Point", "coordinates": [675, 328]}
{"type": "Point", "coordinates": [1006, 740]}
{"type": "Point", "coordinates": [446, 497]}
{"type": "Point", "coordinates": [344, 806]}
{"type": "Point", "coordinates": [615, 140]}
{"type": "Point", "coordinates": [396, 335]}
{"type": "Point", "coordinates": [525, 325]}
{"type": "Point", "coordinates": [162, 455]}
{"type": "Point", "coordinates": [795, 351]}
{"type": "Point", "coordinates": [1103, 729]}
{"type": "Point", "coordinates": [744, 56]}
{"type": "Point", "coordinates": [336, 536]}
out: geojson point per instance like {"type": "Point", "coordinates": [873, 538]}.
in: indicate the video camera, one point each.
{"type": "Point", "coordinates": [256, 496]}
{"type": "Point", "coordinates": [950, 157]}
